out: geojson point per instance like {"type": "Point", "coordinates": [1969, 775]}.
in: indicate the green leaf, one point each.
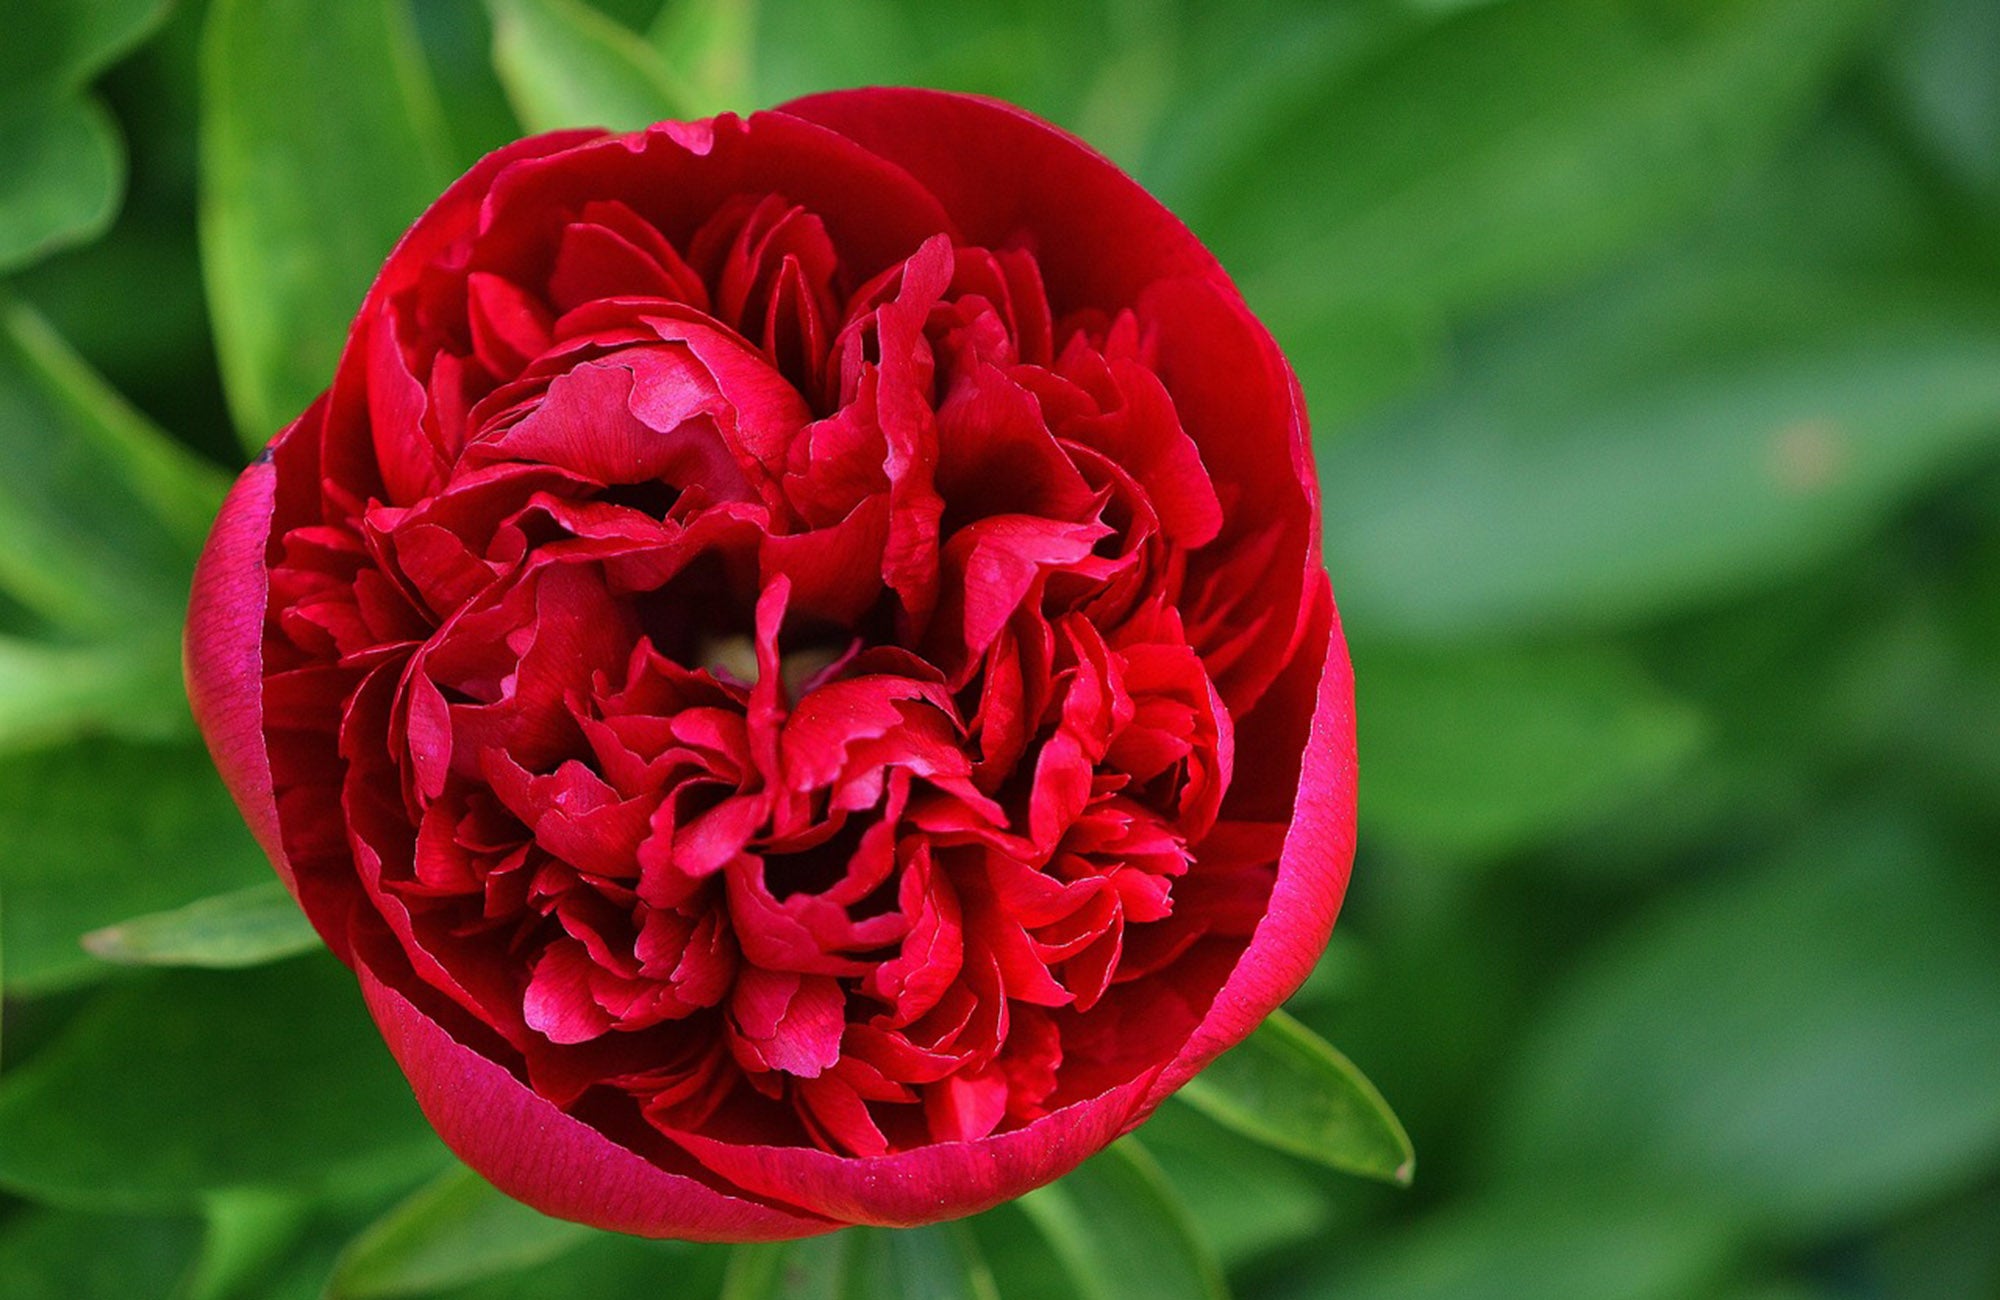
{"type": "Point", "coordinates": [1947, 1252]}
{"type": "Point", "coordinates": [51, 1255]}
{"type": "Point", "coordinates": [454, 1230]}
{"type": "Point", "coordinates": [1549, 1245]}
{"type": "Point", "coordinates": [813, 1269]}
{"type": "Point", "coordinates": [1479, 751]}
{"type": "Point", "coordinates": [62, 173]}
{"type": "Point", "coordinates": [1805, 1046]}
{"type": "Point", "coordinates": [1122, 1233]}
{"type": "Point", "coordinates": [1645, 446]}
{"type": "Point", "coordinates": [169, 1088]}
{"type": "Point", "coordinates": [175, 487]}
{"type": "Point", "coordinates": [608, 1267]}
{"type": "Point", "coordinates": [249, 1231]}
{"type": "Point", "coordinates": [1285, 1087]}
{"type": "Point", "coordinates": [940, 1262]}
{"type": "Point", "coordinates": [56, 46]}
{"type": "Point", "coordinates": [62, 166]}
{"type": "Point", "coordinates": [101, 515]}
{"type": "Point", "coordinates": [1249, 1199]}
{"type": "Point", "coordinates": [1513, 145]}
{"type": "Point", "coordinates": [711, 45]}
{"type": "Point", "coordinates": [1019, 1256]}
{"type": "Point", "coordinates": [51, 693]}
{"type": "Point", "coordinates": [565, 64]}
{"type": "Point", "coordinates": [103, 831]}
{"type": "Point", "coordinates": [245, 927]}
{"type": "Point", "coordinates": [1942, 70]}
{"type": "Point", "coordinates": [321, 141]}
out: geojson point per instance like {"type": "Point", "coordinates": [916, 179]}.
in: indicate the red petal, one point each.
{"type": "Point", "coordinates": [1318, 852]}
{"type": "Point", "coordinates": [920, 1186]}
{"type": "Point", "coordinates": [535, 1153]}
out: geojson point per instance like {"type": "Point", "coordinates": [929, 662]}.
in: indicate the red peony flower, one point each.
{"type": "Point", "coordinates": [793, 662]}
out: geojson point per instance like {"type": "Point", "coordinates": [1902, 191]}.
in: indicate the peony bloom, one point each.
{"type": "Point", "coordinates": [792, 660]}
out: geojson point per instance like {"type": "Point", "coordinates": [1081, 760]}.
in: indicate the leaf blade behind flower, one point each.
{"type": "Point", "coordinates": [1514, 145]}
{"type": "Point", "coordinates": [321, 140]}
{"type": "Point", "coordinates": [168, 1088]}
{"type": "Point", "coordinates": [100, 831]}
{"type": "Point", "coordinates": [1672, 437]}
{"type": "Point", "coordinates": [813, 1269]}
{"type": "Point", "coordinates": [564, 64]}
{"type": "Point", "coordinates": [101, 515]}
{"type": "Point", "coordinates": [244, 927]}
{"type": "Point", "coordinates": [711, 44]}
{"type": "Point", "coordinates": [454, 1230]}
{"type": "Point", "coordinates": [1541, 738]}
{"type": "Point", "coordinates": [1123, 1233]}
{"type": "Point", "coordinates": [64, 169]}
{"type": "Point", "coordinates": [1288, 1088]}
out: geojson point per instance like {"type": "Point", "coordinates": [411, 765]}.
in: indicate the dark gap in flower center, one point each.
{"type": "Point", "coordinates": [817, 869]}
{"type": "Point", "coordinates": [698, 607]}
{"type": "Point", "coordinates": [653, 498]}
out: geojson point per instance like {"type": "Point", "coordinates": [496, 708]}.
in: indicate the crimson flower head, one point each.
{"type": "Point", "coordinates": [793, 662]}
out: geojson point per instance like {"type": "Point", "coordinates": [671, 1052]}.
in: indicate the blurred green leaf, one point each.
{"type": "Point", "coordinates": [51, 693]}
{"type": "Point", "coordinates": [457, 37]}
{"type": "Point", "coordinates": [101, 515]}
{"type": "Point", "coordinates": [321, 141]}
{"type": "Point", "coordinates": [813, 1269]}
{"type": "Point", "coordinates": [51, 1255]}
{"type": "Point", "coordinates": [1121, 1231]}
{"type": "Point", "coordinates": [174, 1086]}
{"type": "Point", "coordinates": [57, 46]}
{"type": "Point", "coordinates": [1516, 144]}
{"type": "Point", "coordinates": [565, 64]}
{"type": "Point", "coordinates": [102, 831]}
{"type": "Point", "coordinates": [608, 1267]}
{"type": "Point", "coordinates": [454, 1230]}
{"type": "Point", "coordinates": [1048, 56]}
{"type": "Point", "coordinates": [1942, 71]}
{"type": "Point", "coordinates": [1479, 751]}
{"type": "Point", "coordinates": [1803, 1045]}
{"type": "Point", "coordinates": [62, 172]}
{"type": "Point", "coordinates": [245, 927]}
{"type": "Point", "coordinates": [1286, 1087]}
{"type": "Point", "coordinates": [1947, 1252]}
{"type": "Point", "coordinates": [176, 488]}
{"type": "Point", "coordinates": [1549, 1246]}
{"type": "Point", "coordinates": [940, 1262]}
{"type": "Point", "coordinates": [1636, 449]}
{"type": "Point", "coordinates": [710, 46]}
{"type": "Point", "coordinates": [62, 166]}
{"type": "Point", "coordinates": [1249, 1199]}
{"type": "Point", "coordinates": [1018, 1256]}
{"type": "Point", "coordinates": [249, 1230]}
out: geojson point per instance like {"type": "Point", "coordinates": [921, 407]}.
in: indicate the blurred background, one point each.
{"type": "Point", "coordinates": [1653, 350]}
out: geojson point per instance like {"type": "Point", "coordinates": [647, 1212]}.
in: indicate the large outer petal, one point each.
{"type": "Point", "coordinates": [945, 1180]}
{"type": "Point", "coordinates": [1002, 172]}
{"type": "Point", "coordinates": [1313, 866]}
{"type": "Point", "coordinates": [222, 653]}
{"type": "Point", "coordinates": [536, 1153]}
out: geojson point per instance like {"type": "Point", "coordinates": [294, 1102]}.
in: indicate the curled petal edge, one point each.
{"type": "Point", "coordinates": [528, 1148]}
{"type": "Point", "coordinates": [1313, 869]}
{"type": "Point", "coordinates": [222, 654]}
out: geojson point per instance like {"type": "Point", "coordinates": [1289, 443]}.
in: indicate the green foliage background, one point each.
{"type": "Point", "coordinates": [1653, 348]}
